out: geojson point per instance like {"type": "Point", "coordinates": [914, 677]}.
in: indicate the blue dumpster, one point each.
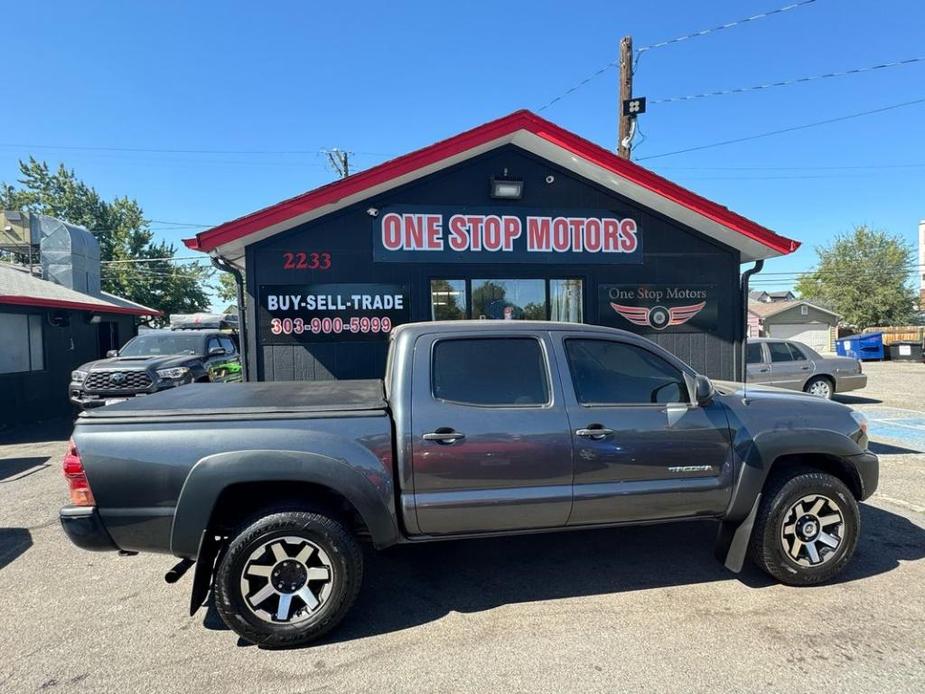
{"type": "Point", "coordinates": [864, 347]}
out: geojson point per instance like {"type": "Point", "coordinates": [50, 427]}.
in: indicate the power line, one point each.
{"type": "Point", "coordinates": [597, 73]}
{"type": "Point", "coordinates": [792, 168]}
{"type": "Point", "coordinates": [788, 83]}
{"type": "Point", "coordinates": [152, 150]}
{"type": "Point", "coordinates": [178, 224]}
{"type": "Point", "coordinates": [727, 25]}
{"type": "Point", "coordinates": [781, 131]}
{"type": "Point", "coordinates": [166, 258]}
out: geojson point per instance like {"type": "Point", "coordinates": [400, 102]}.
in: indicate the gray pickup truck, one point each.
{"type": "Point", "coordinates": [479, 428]}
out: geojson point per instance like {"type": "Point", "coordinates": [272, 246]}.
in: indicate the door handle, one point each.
{"type": "Point", "coordinates": [804, 368]}
{"type": "Point", "coordinates": [592, 432]}
{"type": "Point", "coordinates": [763, 371]}
{"type": "Point", "coordinates": [444, 435]}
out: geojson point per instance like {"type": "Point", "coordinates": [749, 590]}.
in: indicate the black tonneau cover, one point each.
{"type": "Point", "coordinates": [204, 399]}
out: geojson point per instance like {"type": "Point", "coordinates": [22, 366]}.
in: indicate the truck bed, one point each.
{"type": "Point", "coordinates": [205, 399]}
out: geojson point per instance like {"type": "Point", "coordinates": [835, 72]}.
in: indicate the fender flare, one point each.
{"type": "Point", "coordinates": [213, 474]}
{"type": "Point", "coordinates": [767, 447]}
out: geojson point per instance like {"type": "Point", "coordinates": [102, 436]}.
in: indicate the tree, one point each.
{"type": "Point", "coordinates": [227, 288]}
{"type": "Point", "coordinates": [123, 234]}
{"type": "Point", "coordinates": [863, 276]}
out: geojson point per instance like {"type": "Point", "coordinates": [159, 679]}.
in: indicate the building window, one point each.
{"type": "Point", "coordinates": [496, 299]}
{"type": "Point", "coordinates": [804, 310]}
{"type": "Point", "coordinates": [509, 299]}
{"type": "Point", "coordinates": [23, 349]}
{"type": "Point", "coordinates": [565, 298]}
{"type": "Point", "coordinates": [448, 300]}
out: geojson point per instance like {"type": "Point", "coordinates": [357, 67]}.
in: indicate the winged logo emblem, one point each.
{"type": "Point", "coordinates": [658, 317]}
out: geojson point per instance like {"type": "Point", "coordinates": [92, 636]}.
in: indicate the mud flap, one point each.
{"type": "Point", "coordinates": [205, 565]}
{"type": "Point", "coordinates": [732, 540]}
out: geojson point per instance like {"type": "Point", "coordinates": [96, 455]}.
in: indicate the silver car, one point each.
{"type": "Point", "coordinates": [793, 365]}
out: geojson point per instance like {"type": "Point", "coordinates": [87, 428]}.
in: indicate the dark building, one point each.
{"type": "Point", "coordinates": [50, 326]}
{"type": "Point", "coordinates": [515, 219]}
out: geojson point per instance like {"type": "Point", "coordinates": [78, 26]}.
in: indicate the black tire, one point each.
{"type": "Point", "coordinates": [771, 549]}
{"type": "Point", "coordinates": [820, 386]}
{"type": "Point", "coordinates": [329, 539]}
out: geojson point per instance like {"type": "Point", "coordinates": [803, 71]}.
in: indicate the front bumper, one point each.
{"type": "Point", "coordinates": [844, 383]}
{"type": "Point", "coordinates": [84, 527]}
{"type": "Point", "coordinates": [868, 468]}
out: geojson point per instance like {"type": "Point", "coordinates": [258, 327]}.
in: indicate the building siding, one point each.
{"type": "Point", "coordinates": [673, 254]}
{"type": "Point", "coordinates": [41, 395]}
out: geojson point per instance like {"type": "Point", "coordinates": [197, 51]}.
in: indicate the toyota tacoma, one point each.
{"type": "Point", "coordinates": [479, 428]}
{"type": "Point", "coordinates": [155, 361]}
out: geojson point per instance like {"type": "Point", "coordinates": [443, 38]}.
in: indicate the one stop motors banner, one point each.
{"type": "Point", "coordinates": [417, 234]}
{"type": "Point", "coordinates": [303, 313]}
{"type": "Point", "coordinates": [680, 308]}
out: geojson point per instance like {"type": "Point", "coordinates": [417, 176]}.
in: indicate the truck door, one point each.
{"type": "Point", "coordinates": [491, 448]}
{"type": "Point", "coordinates": [643, 450]}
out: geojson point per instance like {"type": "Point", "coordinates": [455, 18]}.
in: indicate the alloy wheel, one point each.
{"type": "Point", "coordinates": [821, 387]}
{"type": "Point", "coordinates": [286, 580]}
{"type": "Point", "coordinates": [812, 530]}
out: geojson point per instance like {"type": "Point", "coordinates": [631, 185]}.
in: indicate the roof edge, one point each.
{"type": "Point", "coordinates": [523, 119]}
{"type": "Point", "coordinates": [19, 300]}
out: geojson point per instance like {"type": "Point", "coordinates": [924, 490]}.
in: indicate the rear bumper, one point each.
{"type": "Point", "coordinates": [850, 382]}
{"type": "Point", "coordinates": [84, 527]}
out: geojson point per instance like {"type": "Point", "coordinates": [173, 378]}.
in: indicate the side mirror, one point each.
{"type": "Point", "coordinates": [216, 351]}
{"type": "Point", "coordinates": [703, 389]}
{"type": "Point", "coordinates": [112, 353]}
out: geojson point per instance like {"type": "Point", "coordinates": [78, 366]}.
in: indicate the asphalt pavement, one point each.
{"type": "Point", "coordinates": [634, 609]}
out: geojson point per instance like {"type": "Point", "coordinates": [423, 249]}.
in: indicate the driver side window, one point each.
{"type": "Point", "coordinates": [616, 373]}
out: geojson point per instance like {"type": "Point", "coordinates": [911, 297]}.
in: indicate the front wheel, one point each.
{"type": "Point", "coordinates": [288, 578]}
{"type": "Point", "coordinates": [807, 528]}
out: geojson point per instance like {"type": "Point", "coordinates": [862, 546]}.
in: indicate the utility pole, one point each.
{"type": "Point", "coordinates": [340, 161]}
{"type": "Point", "coordinates": [625, 129]}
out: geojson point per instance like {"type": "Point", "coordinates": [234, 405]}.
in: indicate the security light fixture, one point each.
{"type": "Point", "coordinates": [507, 188]}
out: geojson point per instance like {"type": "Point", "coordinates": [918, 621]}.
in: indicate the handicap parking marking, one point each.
{"type": "Point", "coordinates": [898, 424]}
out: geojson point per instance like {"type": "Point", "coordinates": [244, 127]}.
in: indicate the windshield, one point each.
{"type": "Point", "coordinates": [162, 343]}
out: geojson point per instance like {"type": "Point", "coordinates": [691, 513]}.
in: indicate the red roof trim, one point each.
{"type": "Point", "coordinates": [19, 300]}
{"type": "Point", "coordinates": [519, 120]}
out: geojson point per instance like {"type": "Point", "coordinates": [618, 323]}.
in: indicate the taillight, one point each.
{"type": "Point", "coordinates": [77, 484]}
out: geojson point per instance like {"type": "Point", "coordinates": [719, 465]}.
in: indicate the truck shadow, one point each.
{"type": "Point", "coordinates": [408, 586]}
{"type": "Point", "coordinates": [855, 399]}
{"type": "Point", "coordinates": [13, 467]}
{"type": "Point", "coordinates": [13, 543]}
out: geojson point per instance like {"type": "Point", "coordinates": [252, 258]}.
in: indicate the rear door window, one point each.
{"type": "Point", "coordinates": [780, 352]}
{"type": "Point", "coordinates": [797, 353]}
{"type": "Point", "coordinates": [753, 353]}
{"type": "Point", "coordinates": [490, 371]}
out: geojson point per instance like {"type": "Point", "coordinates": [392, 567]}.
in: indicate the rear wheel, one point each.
{"type": "Point", "coordinates": [288, 578]}
{"type": "Point", "coordinates": [807, 528]}
{"type": "Point", "coordinates": [821, 386]}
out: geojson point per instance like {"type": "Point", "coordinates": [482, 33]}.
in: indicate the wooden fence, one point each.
{"type": "Point", "coordinates": [900, 333]}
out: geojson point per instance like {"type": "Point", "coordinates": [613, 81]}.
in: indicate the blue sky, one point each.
{"type": "Point", "coordinates": [381, 79]}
